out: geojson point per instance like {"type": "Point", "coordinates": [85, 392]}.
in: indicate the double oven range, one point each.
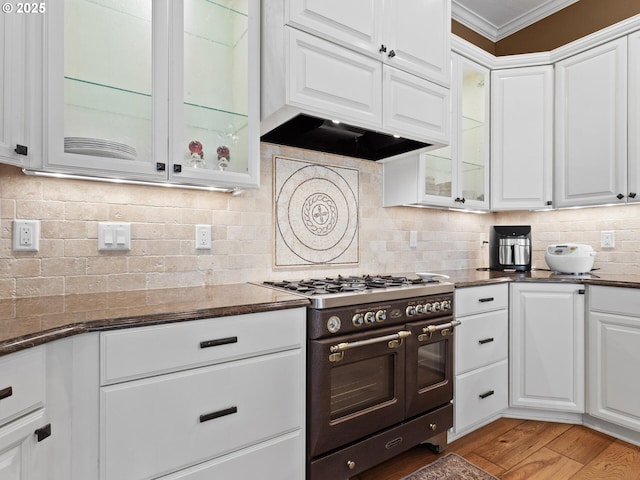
{"type": "Point", "coordinates": [379, 369]}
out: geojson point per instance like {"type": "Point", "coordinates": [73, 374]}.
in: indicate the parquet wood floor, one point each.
{"type": "Point", "coordinates": [514, 449]}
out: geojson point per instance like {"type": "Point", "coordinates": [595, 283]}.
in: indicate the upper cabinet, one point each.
{"type": "Point", "coordinates": [166, 91]}
{"type": "Point", "coordinates": [633, 117]}
{"type": "Point", "coordinates": [591, 127]}
{"type": "Point", "coordinates": [19, 41]}
{"type": "Point", "coordinates": [458, 175]}
{"type": "Point", "coordinates": [412, 35]}
{"type": "Point", "coordinates": [377, 65]}
{"type": "Point", "coordinates": [521, 138]}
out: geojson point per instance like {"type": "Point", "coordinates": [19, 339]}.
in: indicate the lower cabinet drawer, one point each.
{"type": "Point", "coordinates": [281, 458]}
{"type": "Point", "coordinates": [22, 383]}
{"type": "Point", "coordinates": [163, 424]}
{"type": "Point", "coordinates": [480, 394]}
{"type": "Point", "coordinates": [481, 339]}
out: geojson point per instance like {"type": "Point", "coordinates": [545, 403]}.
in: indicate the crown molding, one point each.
{"type": "Point", "coordinates": [495, 33]}
{"type": "Point", "coordinates": [478, 55]}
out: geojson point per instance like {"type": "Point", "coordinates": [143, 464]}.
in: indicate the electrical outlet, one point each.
{"type": "Point", "coordinates": [608, 239]}
{"type": "Point", "coordinates": [203, 237]}
{"type": "Point", "coordinates": [26, 235]}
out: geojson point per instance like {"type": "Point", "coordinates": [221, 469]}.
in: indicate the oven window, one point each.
{"type": "Point", "coordinates": [432, 364]}
{"type": "Point", "coordinates": [360, 385]}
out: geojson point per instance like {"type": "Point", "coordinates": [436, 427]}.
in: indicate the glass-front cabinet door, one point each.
{"type": "Point", "coordinates": [458, 175]}
{"type": "Point", "coordinates": [214, 117]}
{"type": "Point", "coordinates": [153, 90]}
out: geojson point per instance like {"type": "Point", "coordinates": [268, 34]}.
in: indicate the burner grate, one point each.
{"type": "Point", "coordinates": [347, 284]}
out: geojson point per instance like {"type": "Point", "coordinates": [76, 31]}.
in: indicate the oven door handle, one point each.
{"type": "Point", "coordinates": [394, 341]}
{"type": "Point", "coordinates": [445, 329]}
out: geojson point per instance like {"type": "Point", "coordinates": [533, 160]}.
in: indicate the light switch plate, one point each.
{"type": "Point", "coordinates": [26, 235]}
{"type": "Point", "coordinates": [114, 236]}
{"type": "Point", "coordinates": [413, 239]}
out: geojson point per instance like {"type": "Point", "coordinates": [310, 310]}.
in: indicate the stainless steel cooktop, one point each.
{"type": "Point", "coordinates": [349, 290]}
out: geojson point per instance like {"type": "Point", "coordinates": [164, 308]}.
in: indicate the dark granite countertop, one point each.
{"type": "Point", "coordinates": [27, 322]}
{"type": "Point", "coordinates": [469, 278]}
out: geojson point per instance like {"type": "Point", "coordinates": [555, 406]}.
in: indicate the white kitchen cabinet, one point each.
{"type": "Point", "coordinates": [591, 127]}
{"type": "Point", "coordinates": [21, 455]}
{"type": "Point", "coordinates": [454, 176]}
{"type": "Point", "coordinates": [148, 91]}
{"type": "Point", "coordinates": [306, 71]}
{"type": "Point", "coordinates": [547, 346]}
{"type": "Point", "coordinates": [204, 392]}
{"type": "Point", "coordinates": [24, 433]}
{"type": "Point", "coordinates": [522, 138]}
{"type": "Point", "coordinates": [19, 35]}
{"type": "Point", "coordinates": [614, 343]}
{"type": "Point", "coordinates": [367, 93]}
{"type": "Point", "coordinates": [411, 35]}
{"type": "Point", "coordinates": [481, 390]}
{"type": "Point", "coordinates": [633, 116]}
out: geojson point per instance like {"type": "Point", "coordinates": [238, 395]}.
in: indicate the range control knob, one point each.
{"type": "Point", "coordinates": [419, 309]}
{"type": "Point", "coordinates": [381, 315]}
{"type": "Point", "coordinates": [436, 306]}
{"type": "Point", "coordinates": [410, 311]}
{"type": "Point", "coordinates": [370, 317]}
{"type": "Point", "coordinates": [428, 307]}
{"type": "Point", "coordinates": [358, 319]}
{"type": "Point", "coordinates": [333, 324]}
{"type": "Point", "coordinates": [446, 305]}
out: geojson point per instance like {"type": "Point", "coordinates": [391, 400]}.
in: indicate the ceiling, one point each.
{"type": "Point", "coordinates": [496, 19]}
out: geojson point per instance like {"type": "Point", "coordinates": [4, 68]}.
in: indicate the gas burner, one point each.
{"type": "Point", "coordinates": [347, 284]}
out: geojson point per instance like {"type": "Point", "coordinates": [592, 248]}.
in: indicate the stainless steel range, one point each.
{"type": "Point", "coordinates": [379, 369]}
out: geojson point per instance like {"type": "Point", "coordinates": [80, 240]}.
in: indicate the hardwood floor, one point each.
{"type": "Point", "coordinates": [514, 449]}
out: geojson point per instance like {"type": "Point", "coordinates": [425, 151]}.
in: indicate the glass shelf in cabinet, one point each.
{"type": "Point", "coordinates": [231, 24]}
{"type": "Point", "coordinates": [471, 123]}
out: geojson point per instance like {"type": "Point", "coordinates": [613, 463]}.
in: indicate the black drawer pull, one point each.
{"type": "Point", "coordinates": [6, 392]}
{"type": "Point", "coordinates": [43, 432]}
{"type": "Point", "coordinates": [486, 340]}
{"type": "Point", "coordinates": [220, 413]}
{"type": "Point", "coordinates": [488, 394]}
{"type": "Point", "coordinates": [218, 341]}
{"type": "Point", "coordinates": [487, 299]}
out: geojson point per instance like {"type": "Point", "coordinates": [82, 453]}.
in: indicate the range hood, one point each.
{"type": "Point", "coordinates": [313, 133]}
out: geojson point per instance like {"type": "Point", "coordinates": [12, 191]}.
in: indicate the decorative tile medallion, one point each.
{"type": "Point", "coordinates": [315, 214]}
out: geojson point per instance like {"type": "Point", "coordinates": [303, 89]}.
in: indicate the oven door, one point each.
{"type": "Point", "coordinates": [429, 366]}
{"type": "Point", "coordinates": [355, 386]}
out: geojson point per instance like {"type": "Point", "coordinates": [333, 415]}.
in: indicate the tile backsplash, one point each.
{"type": "Point", "coordinates": [163, 220]}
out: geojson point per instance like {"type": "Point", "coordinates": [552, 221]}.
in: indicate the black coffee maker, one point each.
{"type": "Point", "coordinates": [510, 247]}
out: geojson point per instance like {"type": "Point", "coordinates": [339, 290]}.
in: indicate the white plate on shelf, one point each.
{"type": "Point", "coordinates": [100, 152]}
{"type": "Point", "coordinates": [99, 147]}
{"type": "Point", "coordinates": [431, 276]}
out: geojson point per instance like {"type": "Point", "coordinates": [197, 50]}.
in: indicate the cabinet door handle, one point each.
{"type": "Point", "coordinates": [487, 394]}
{"type": "Point", "coordinates": [218, 341]}
{"type": "Point", "coordinates": [486, 340]}
{"type": "Point", "coordinates": [632, 194]}
{"type": "Point", "coordinates": [161, 167]}
{"type": "Point", "coordinates": [43, 432]}
{"type": "Point", "coordinates": [383, 48]}
{"type": "Point", "coordinates": [177, 168]}
{"type": "Point", "coordinates": [220, 413]}
{"type": "Point", "coordinates": [6, 392]}
{"type": "Point", "coordinates": [620, 196]}
{"type": "Point", "coordinates": [21, 149]}
{"type": "Point", "coordinates": [392, 54]}
{"type": "Point", "coordinates": [487, 299]}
